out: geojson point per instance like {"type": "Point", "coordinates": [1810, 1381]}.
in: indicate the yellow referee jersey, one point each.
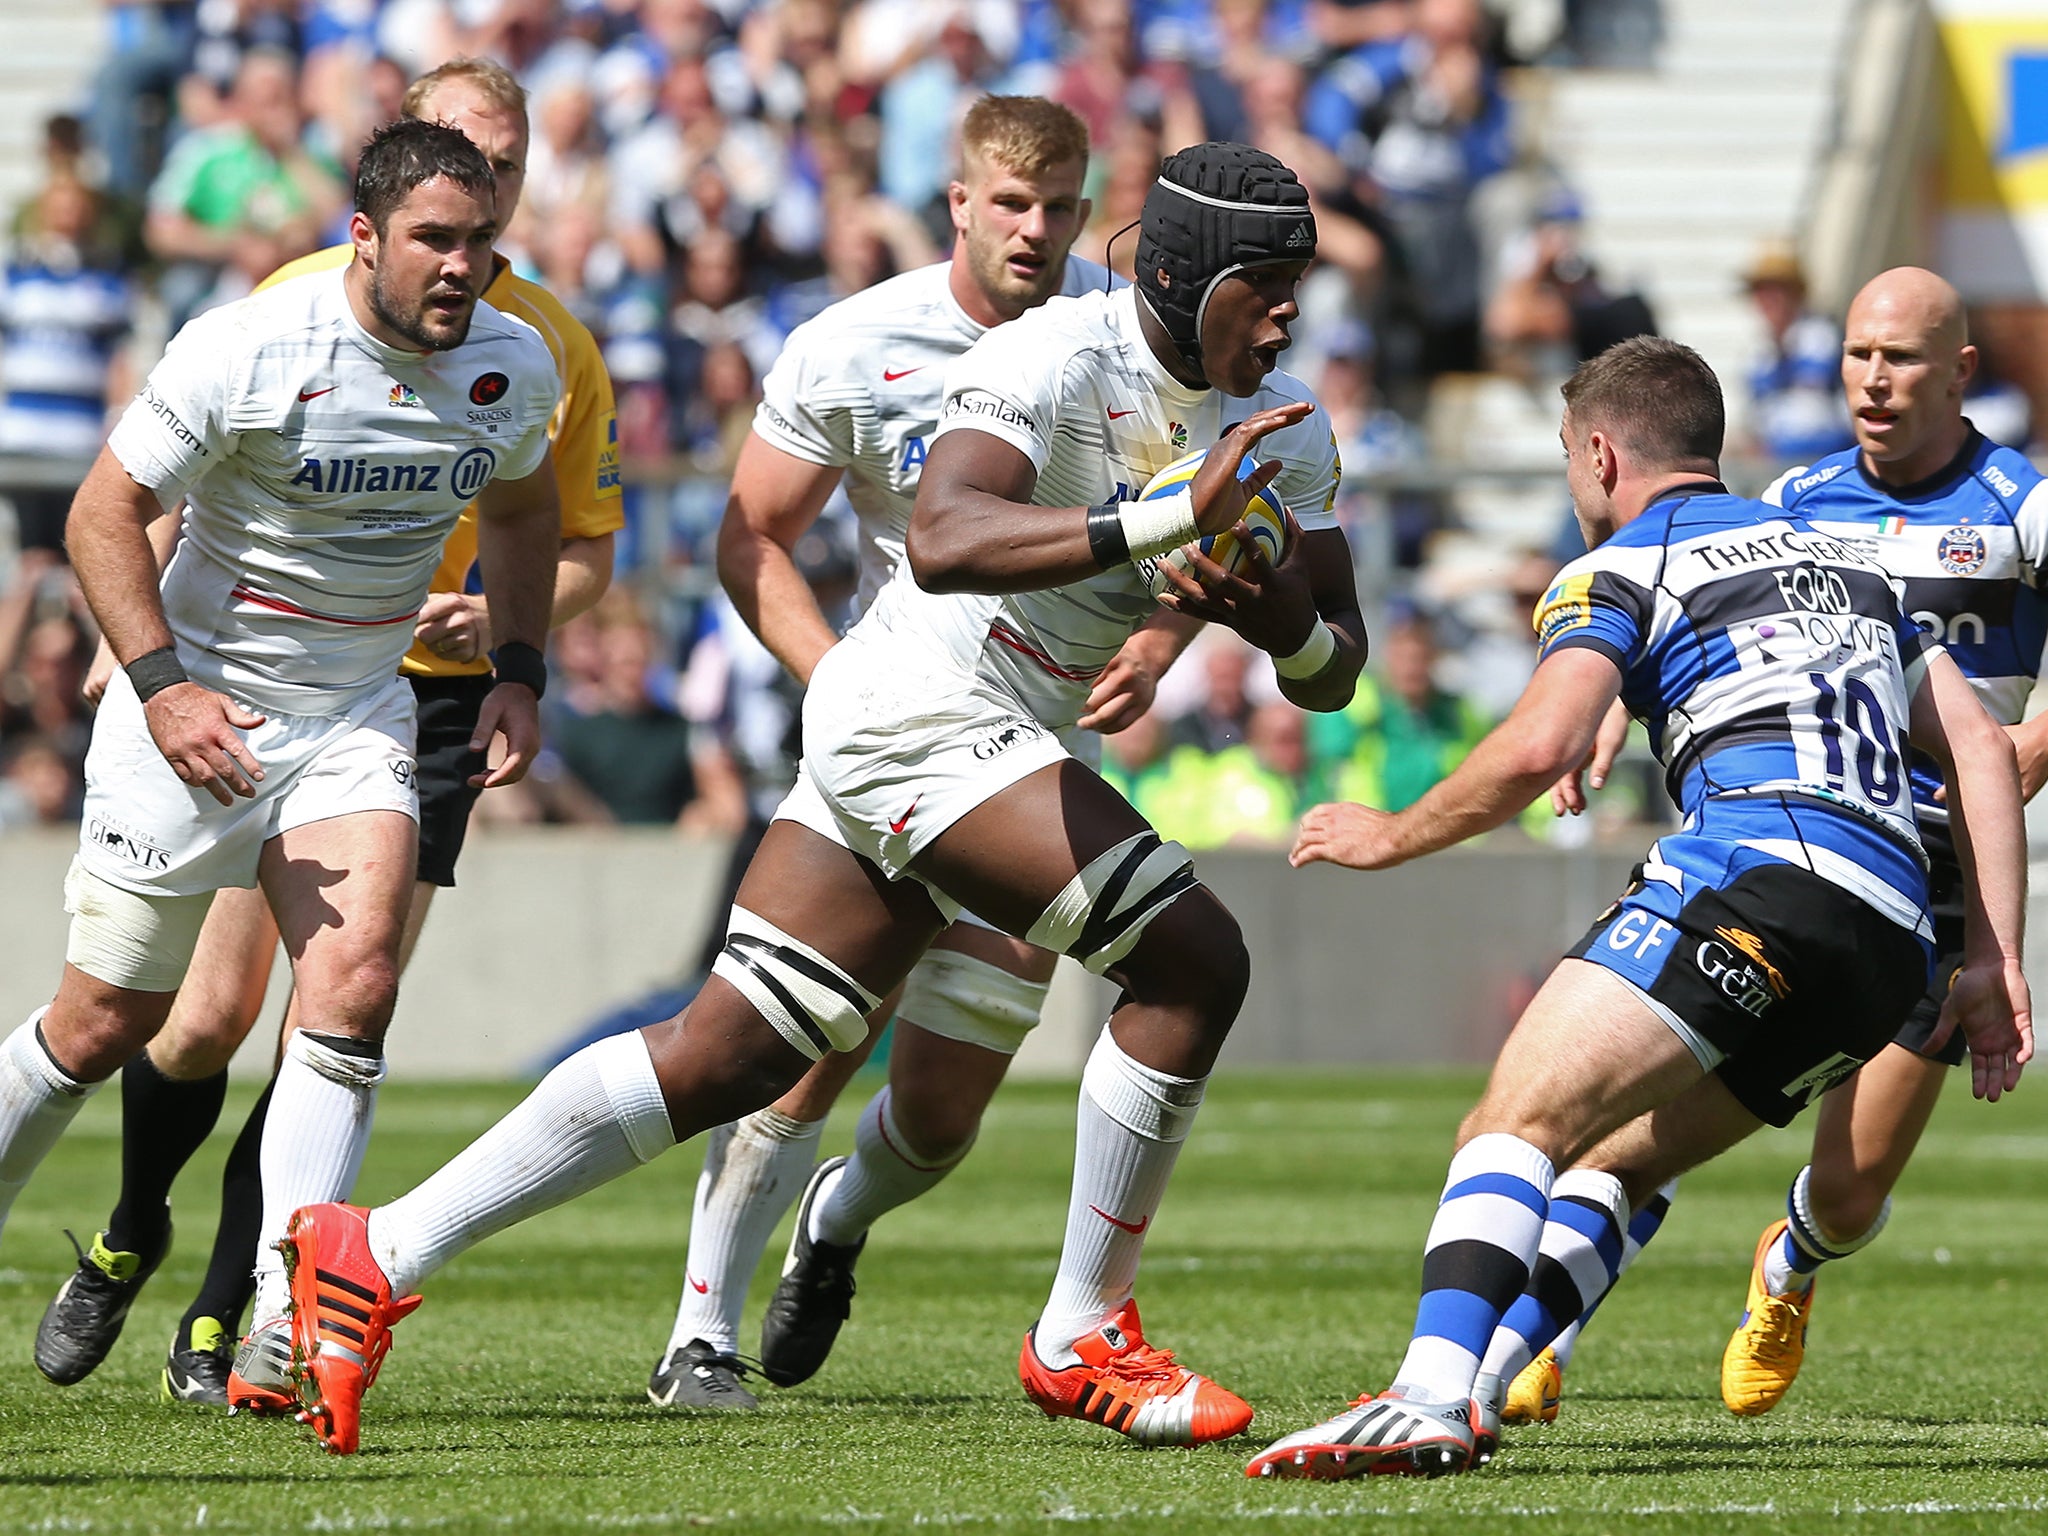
{"type": "Point", "coordinates": [584, 433]}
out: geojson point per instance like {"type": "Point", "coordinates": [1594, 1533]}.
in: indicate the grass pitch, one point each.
{"type": "Point", "coordinates": [1285, 1264]}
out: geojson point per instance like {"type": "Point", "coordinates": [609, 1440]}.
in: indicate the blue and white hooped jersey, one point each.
{"type": "Point", "coordinates": [1969, 546]}
{"type": "Point", "coordinates": [1774, 670]}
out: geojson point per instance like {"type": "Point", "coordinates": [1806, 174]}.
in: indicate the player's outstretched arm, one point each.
{"type": "Point", "coordinates": [1568, 794]}
{"type": "Point", "coordinates": [775, 499]}
{"type": "Point", "coordinates": [196, 729]}
{"type": "Point", "coordinates": [974, 528]}
{"type": "Point", "coordinates": [1989, 1000]}
{"type": "Point", "coordinates": [1551, 728]}
{"type": "Point", "coordinates": [519, 541]}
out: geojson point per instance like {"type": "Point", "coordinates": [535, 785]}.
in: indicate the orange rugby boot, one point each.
{"type": "Point", "coordinates": [342, 1316]}
{"type": "Point", "coordinates": [1126, 1385]}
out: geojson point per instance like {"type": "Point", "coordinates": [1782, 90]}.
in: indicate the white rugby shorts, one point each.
{"type": "Point", "coordinates": [146, 830]}
{"type": "Point", "coordinates": [899, 744]}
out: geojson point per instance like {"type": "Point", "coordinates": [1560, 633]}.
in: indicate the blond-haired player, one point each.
{"type": "Point", "coordinates": [855, 397]}
{"type": "Point", "coordinates": [172, 1095]}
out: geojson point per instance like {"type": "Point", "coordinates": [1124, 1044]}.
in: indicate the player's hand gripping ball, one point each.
{"type": "Point", "coordinates": [1263, 519]}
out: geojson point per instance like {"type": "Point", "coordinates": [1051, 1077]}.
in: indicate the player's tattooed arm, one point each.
{"type": "Point", "coordinates": [1988, 1001]}
{"type": "Point", "coordinates": [775, 499]}
{"type": "Point", "coordinates": [195, 728]}
{"type": "Point", "coordinates": [1552, 727]}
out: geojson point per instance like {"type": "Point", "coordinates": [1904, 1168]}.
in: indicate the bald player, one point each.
{"type": "Point", "coordinates": [1962, 524]}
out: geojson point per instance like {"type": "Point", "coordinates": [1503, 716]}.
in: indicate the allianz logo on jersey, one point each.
{"type": "Point", "coordinates": [469, 474]}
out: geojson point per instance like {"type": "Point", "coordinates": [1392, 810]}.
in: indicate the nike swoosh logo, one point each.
{"type": "Point", "coordinates": [315, 394]}
{"type": "Point", "coordinates": [701, 1287]}
{"type": "Point", "coordinates": [891, 378]}
{"type": "Point", "coordinates": [1120, 415]}
{"type": "Point", "coordinates": [903, 821]}
{"type": "Point", "coordinates": [1135, 1228]}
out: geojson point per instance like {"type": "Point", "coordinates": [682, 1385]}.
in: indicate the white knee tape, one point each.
{"type": "Point", "coordinates": [1099, 917]}
{"type": "Point", "coordinates": [143, 943]}
{"type": "Point", "coordinates": [812, 1003]}
{"type": "Point", "coordinates": [965, 998]}
{"type": "Point", "coordinates": [336, 1066]}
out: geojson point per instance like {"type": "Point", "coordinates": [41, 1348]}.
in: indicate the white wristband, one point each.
{"type": "Point", "coordinates": [1314, 655]}
{"type": "Point", "coordinates": [1156, 526]}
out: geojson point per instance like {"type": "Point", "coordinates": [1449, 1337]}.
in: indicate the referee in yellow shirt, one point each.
{"type": "Point", "coordinates": [172, 1095]}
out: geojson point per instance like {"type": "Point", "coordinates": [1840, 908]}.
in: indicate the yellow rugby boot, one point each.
{"type": "Point", "coordinates": [1764, 1355]}
{"type": "Point", "coordinates": [1535, 1393]}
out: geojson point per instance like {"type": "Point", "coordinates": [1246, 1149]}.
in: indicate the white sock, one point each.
{"type": "Point", "coordinates": [881, 1175]}
{"type": "Point", "coordinates": [596, 1116]}
{"type": "Point", "coordinates": [1131, 1124]}
{"type": "Point", "coordinates": [313, 1143]}
{"type": "Point", "coordinates": [37, 1100]}
{"type": "Point", "coordinates": [753, 1172]}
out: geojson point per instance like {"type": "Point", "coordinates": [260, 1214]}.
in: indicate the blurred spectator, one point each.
{"type": "Point", "coordinates": [44, 722]}
{"type": "Point", "coordinates": [1422, 119]}
{"type": "Point", "coordinates": [690, 170]}
{"type": "Point", "coordinates": [1796, 413]}
{"type": "Point", "coordinates": [1401, 732]}
{"type": "Point", "coordinates": [37, 786]}
{"type": "Point", "coordinates": [237, 200]}
{"type": "Point", "coordinates": [1223, 713]}
{"type": "Point", "coordinates": [626, 744]}
{"type": "Point", "coordinates": [64, 316]}
{"type": "Point", "coordinates": [920, 108]}
{"type": "Point", "coordinates": [133, 91]}
{"type": "Point", "coordinates": [565, 168]}
{"type": "Point", "coordinates": [1551, 312]}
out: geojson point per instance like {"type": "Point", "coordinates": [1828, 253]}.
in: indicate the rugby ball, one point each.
{"type": "Point", "coordinates": [1263, 519]}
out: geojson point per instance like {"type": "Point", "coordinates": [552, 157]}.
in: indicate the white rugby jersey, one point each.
{"type": "Point", "coordinates": [322, 472]}
{"type": "Point", "coordinates": [1075, 386]}
{"type": "Point", "coordinates": [858, 387]}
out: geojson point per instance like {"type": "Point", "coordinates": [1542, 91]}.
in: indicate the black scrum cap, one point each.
{"type": "Point", "coordinates": [1215, 209]}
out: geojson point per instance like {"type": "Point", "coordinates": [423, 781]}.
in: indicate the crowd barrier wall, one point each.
{"type": "Point", "coordinates": [551, 928]}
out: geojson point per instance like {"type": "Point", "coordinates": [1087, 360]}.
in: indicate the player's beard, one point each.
{"type": "Point", "coordinates": [988, 260]}
{"type": "Point", "coordinates": [413, 326]}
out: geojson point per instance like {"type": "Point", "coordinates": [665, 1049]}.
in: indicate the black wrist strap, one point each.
{"type": "Point", "coordinates": [154, 671]}
{"type": "Point", "coordinates": [517, 662]}
{"type": "Point", "coordinates": [1107, 540]}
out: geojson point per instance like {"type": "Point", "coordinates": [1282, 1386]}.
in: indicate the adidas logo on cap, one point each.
{"type": "Point", "coordinates": [1300, 237]}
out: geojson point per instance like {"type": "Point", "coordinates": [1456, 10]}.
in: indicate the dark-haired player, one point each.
{"type": "Point", "coordinates": [258, 730]}
{"type": "Point", "coordinates": [1761, 953]}
{"type": "Point", "coordinates": [171, 1094]}
{"type": "Point", "coordinates": [936, 778]}
{"type": "Point", "coordinates": [1963, 524]}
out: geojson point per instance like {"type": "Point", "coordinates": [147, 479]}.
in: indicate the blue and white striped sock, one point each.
{"type": "Point", "coordinates": [1795, 1258]}
{"type": "Point", "coordinates": [1577, 1260]}
{"type": "Point", "coordinates": [1641, 1228]}
{"type": "Point", "coordinates": [1477, 1260]}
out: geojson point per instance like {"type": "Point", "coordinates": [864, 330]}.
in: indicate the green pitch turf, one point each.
{"type": "Point", "coordinates": [1285, 1264]}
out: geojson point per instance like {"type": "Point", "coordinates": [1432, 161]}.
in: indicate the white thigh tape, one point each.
{"type": "Point", "coordinates": [142, 943]}
{"type": "Point", "coordinates": [965, 998]}
{"type": "Point", "coordinates": [1099, 917]}
{"type": "Point", "coordinates": [812, 1003]}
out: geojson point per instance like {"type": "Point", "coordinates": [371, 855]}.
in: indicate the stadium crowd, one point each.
{"type": "Point", "coordinates": [706, 174]}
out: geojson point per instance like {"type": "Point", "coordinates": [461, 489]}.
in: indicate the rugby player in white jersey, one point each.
{"type": "Point", "coordinates": [856, 394]}
{"type": "Point", "coordinates": [936, 779]}
{"type": "Point", "coordinates": [172, 1093]}
{"type": "Point", "coordinates": [325, 439]}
